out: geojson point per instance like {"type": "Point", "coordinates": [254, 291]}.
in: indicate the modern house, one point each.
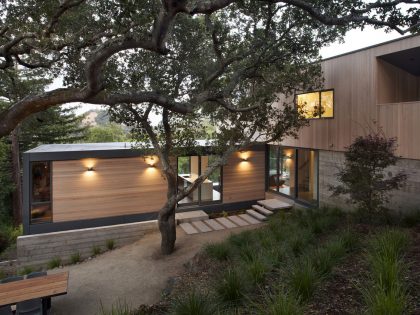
{"type": "Point", "coordinates": [72, 187]}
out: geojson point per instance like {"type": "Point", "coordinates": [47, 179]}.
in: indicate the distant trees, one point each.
{"type": "Point", "coordinates": [109, 132]}
{"type": "Point", "coordinates": [363, 175]}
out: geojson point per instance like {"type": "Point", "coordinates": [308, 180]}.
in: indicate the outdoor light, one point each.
{"type": "Point", "coordinates": [244, 155]}
{"type": "Point", "coordinates": [151, 161]}
{"type": "Point", "coordinates": [90, 169]}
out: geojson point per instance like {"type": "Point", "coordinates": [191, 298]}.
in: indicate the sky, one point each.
{"type": "Point", "coordinates": [354, 40]}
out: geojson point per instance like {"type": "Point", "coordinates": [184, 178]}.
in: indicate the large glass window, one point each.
{"type": "Point", "coordinates": [41, 210]}
{"type": "Point", "coordinates": [293, 172]}
{"type": "Point", "coordinates": [316, 104]}
{"type": "Point", "coordinates": [191, 167]}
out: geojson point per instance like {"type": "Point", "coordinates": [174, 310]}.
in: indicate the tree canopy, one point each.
{"type": "Point", "coordinates": [217, 48]}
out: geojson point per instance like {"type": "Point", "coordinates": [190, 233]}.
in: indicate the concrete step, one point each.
{"type": "Point", "coordinates": [274, 204]}
{"type": "Point", "coordinates": [256, 215]}
{"type": "Point", "coordinates": [188, 228]}
{"type": "Point", "coordinates": [226, 223]}
{"type": "Point", "coordinates": [238, 221]}
{"type": "Point", "coordinates": [191, 216]}
{"type": "Point", "coordinates": [249, 219]}
{"type": "Point", "coordinates": [199, 225]}
{"type": "Point", "coordinates": [262, 210]}
{"type": "Point", "coordinates": [214, 224]}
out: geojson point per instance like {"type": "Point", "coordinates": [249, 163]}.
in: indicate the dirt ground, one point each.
{"type": "Point", "coordinates": [135, 274]}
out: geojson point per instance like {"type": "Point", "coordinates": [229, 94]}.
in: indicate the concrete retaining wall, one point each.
{"type": "Point", "coordinates": [38, 250]}
{"type": "Point", "coordinates": [404, 200]}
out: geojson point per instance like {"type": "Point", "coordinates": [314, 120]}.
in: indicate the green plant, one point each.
{"type": "Point", "coordinates": [193, 303]}
{"type": "Point", "coordinates": [350, 240]}
{"type": "Point", "coordinates": [389, 244]}
{"type": "Point", "coordinates": [2, 274]}
{"type": "Point", "coordinates": [242, 239]}
{"type": "Point", "coordinates": [363, 176]}
{"type": "Point", "coordinates": [75, 258]}
{"type": "Point", "coordinates": [54, 263]}
{"type": "Point", "coordinates": [380, 302]}
{"type": "Point", "coordinates": [25, 270]}
{"type": "Point", "coordinates": [280, 304]}
{"type": "Point", "coordinates": [110, 244]}
{"type": "Point", "coordinates": [118, 308]}
{"type": "Point", "coordinates": [220, 251]}
{"type": "Point", "coordinates": [96, 250]}
{"type": "Point", "coordinates": [231, 286]}
{"type": "Point", "coordinates": [256, 270]}
{"type": "Point", "coordinates": [303, 279]}
{"type": "Point", "coordinates": [299, 240]}
{"type": "Point", "coordinates": [411, 219]}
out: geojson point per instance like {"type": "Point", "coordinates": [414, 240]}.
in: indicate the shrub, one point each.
{"type": "Point", "coordinates": [110, 244]}
{"type": "Point", "coordinates": [25, 270]}
{"type": "Point", "coordinates": [219, 251]}
{"type": "Point", "coordinates": [280, 304]}
{"type": "Point", "coordinates": [75, 258]}
{"type": "Point", "coordinates": [299, 240]}
{"type": "Point", "coordinates": [411, 219]}
{"type": "Point", "coordinates": [4, 241]}
{"type": "Point", "coordinates": [389, 244]}
{"type": "Point", "coordinates": [193, 303]}
{"type": "Point", "coordinates": [242, 239]}
{"type": "Point", "coordinates": [392, 302]}
{"type": "Point", "coordinates": [363, 176]}
{"type": "Point", "coordinates": [303, 279]}
{"type": "Point", "coordinates": [119, 308]}
{"type": "Point", "coordinates": [256, 270]}
{"type": "Point", "coordinates": [2, 274]}
{"type": "Point", "coordinates": [350, 240]}
{"type": "Point", "coordinates": [230, 287]}
{"type": "Point", "coordinates": [96, 250]}
{"type": "Point", "coordinates": [54, 263]}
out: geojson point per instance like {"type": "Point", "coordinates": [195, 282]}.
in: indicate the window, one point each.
{"type": "Point", "coordinates": [191, 167]}
{"type": "Point", "coordinates": [293, 172]}
{"type": "Point", "coordinates": [41, 210]}
{"type": "Point", "coordinates": [316, 104]}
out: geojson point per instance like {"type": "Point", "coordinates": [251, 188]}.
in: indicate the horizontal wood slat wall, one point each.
{"type": "Point", "coordinates": [358, 93]}
{"type": "Point", "coordinates": [244, 180]}
{"type": "Point", "coordinates": [116, 187]}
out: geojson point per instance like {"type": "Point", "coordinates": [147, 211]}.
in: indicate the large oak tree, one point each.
{"type": "Point", "coordinates": [192, 62]}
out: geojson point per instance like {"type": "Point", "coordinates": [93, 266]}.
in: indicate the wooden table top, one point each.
{"type": "Point", "coordinates": [27, 289]}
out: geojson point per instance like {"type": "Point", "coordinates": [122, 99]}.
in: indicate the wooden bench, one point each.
{"type": "Point", "coordinates": [39, 287]}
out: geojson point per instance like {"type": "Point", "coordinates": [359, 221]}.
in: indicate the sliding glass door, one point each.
{"type": "Point", "coordinates": [293, 172]}
{"type": "Point", "coordinates": [189, 169]}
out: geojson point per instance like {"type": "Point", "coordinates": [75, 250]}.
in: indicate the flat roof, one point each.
{"type": "Point", "coordinates": [77, 147]}
{"type": "Point", "coordinates": [372, 46]}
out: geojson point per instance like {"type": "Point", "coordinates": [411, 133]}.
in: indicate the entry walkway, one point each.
{"type": "Point", "coordinates": [135, 273]}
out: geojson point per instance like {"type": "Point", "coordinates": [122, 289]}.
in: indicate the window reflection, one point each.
{"type": "Point", "coordinates": [316, 104]}
{"type": "Point", "coordinates": [41, 192]}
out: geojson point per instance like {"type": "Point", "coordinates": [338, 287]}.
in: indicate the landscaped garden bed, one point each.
{"type": "Point", "coordinates": [305, 262]}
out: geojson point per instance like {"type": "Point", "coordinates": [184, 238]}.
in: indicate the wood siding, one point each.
{"type": "Point", "coordinates": [116, 187]}
{"type": "Point", "coordinates": [124, 186]}
{"type": "Point", "coordinates": [244, 180]}
{"type": "Point", "coordinates": [361, 83]}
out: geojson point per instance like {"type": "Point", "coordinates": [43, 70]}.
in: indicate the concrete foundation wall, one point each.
{"type": "Point", "coordinates": [37, 250]}
{"type": "Point", "coordinates": [404, 200]}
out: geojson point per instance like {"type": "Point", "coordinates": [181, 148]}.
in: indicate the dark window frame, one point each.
{"type": "Point", "coordinates": [36, 203]}
{"type": "Point", "coordinates": [320, 93]}
{"type": "Point", "coordinates": [296, 174]}
{"type": "Point", "coordinates": [199, 202]}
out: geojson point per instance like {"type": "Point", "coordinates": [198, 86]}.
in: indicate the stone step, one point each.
{"type": "Point", "coordinates": [262, 210]}
{"type": "Point", "coordinates": [274, 204]}
{"type": "Point", "coordinates": [188, 228]}
{"type": "Point", "coordinates": [199, 225]}
{"type": "Point", "coordinates": [249, 219]}
{"type": "Point", "coordinates": [226, 223]}
{"type": "Point", "coordinates": [214, 224]}
{"type": "Point", "coordinates": [256, 215]}
{"type": "Point", "coordinates": [191, 216]}
{"type": "Point", "coordinates": [238, 221]}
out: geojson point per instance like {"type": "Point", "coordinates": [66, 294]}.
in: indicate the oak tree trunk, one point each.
{"type": "Point", "coordinates": [167, 228]}
{"type": "Point", "coordinates": [17, 179]}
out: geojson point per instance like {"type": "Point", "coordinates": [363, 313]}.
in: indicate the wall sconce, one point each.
{"type": "Point", "coordinates": [90, 169]}
{"type": "Point", "coordinates": [244, 155]}
{"type": "Point", "coordinates": [150, 160]}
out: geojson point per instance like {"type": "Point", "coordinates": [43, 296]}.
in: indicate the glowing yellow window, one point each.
{"type": "Point", "coordinates": [316, 104]}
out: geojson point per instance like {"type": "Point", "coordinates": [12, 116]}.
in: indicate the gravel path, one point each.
{"type": "Point", "coordinates": [135, 273]}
